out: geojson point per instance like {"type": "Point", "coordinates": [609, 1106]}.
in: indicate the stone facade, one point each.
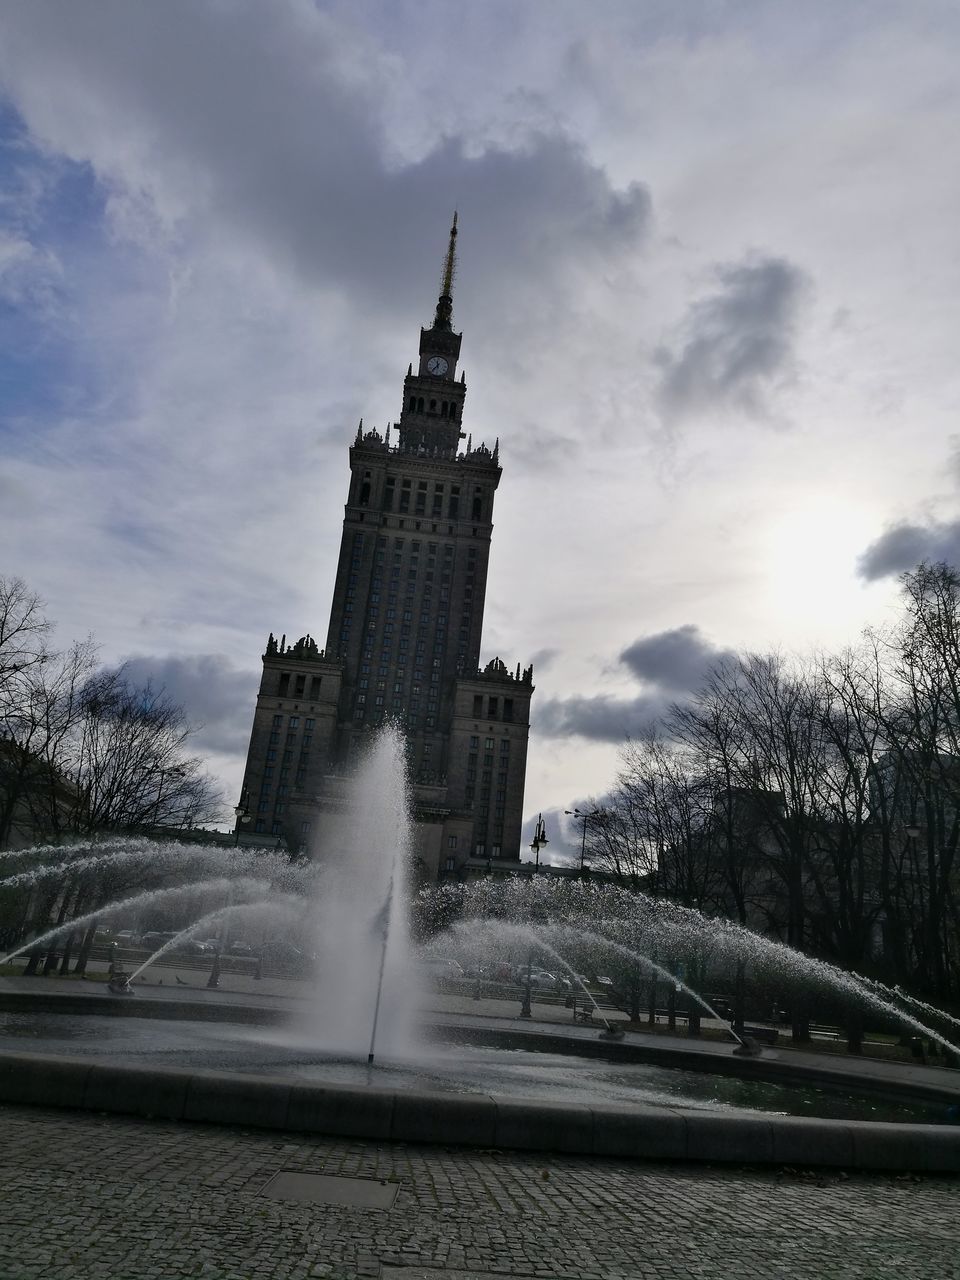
{"type": "Point", "coordinates": [403, 642]}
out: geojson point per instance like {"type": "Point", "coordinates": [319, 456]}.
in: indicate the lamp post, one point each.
{"type": "Point", "coordinates": [585, 818]}
{"type": "Point", "coordinates": [242, 815]}
{"type": "Point", "coordinates": [539, 838]}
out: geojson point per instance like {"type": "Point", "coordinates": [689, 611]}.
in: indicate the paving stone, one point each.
{"type": "Point", "coordinates": [83, 1195]}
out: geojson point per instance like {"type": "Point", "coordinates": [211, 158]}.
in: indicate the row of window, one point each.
{"type": "Point", "coordinates": [299, 685]}
{"type": "Point", "coordinates": [293, 722]}
{"type": "Point", "coordinates": [401, 502]}
{"type": "Point", "coordinates": [445, 408]}
{"type": "Point", "coordinates": [493, 708]}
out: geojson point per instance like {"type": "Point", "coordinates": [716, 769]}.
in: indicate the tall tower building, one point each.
{"type": "Point", "coordinates": [404, 637]}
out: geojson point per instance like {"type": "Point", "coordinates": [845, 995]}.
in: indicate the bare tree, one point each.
{"type": "Point", "coordinates": [23, 634]}
{"type": "Point", "coordinates": [83, 750]}
{"type": "Point", "coordinates": [38, 795]}
{"type": "Point", "coordinates": [127, 756]}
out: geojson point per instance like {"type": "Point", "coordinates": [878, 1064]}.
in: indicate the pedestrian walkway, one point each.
{"type": "Point", "coordinates": [85, 1196]}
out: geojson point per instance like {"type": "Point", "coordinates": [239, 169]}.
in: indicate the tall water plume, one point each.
{"type": "Point", "coordinates": [364, 974]}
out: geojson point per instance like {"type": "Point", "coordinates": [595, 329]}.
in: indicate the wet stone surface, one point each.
{"type": "Point", "coordinates": [86, 1195]}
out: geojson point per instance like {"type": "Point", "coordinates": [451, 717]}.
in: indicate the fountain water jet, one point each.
{"type": "Point", "coordinates": [365, 988]}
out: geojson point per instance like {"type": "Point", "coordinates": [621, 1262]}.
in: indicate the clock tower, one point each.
{"type": "Point", "coordinates": [433, 397]}
{"type": "Point", "coordinates": [404, 637]}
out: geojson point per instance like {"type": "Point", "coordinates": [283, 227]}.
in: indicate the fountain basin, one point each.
{"type": "Point", "coordinates": [370, 1112]}
{"type": "Point", "coordinates": [375, 1105]}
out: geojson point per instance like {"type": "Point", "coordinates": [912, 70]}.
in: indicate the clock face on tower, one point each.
{"type": "Point", "coordinates": [437, 365]}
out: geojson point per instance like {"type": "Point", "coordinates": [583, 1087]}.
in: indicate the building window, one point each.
{"type": "Point", "coordinates": [450, 864]}
{"type": "Point", "coordinates": [480, 850]}
{"type": "Point", "coordinates": [495, 851]}
{"type": "Point", "coordinates": [284, 684]}
{"type": "Point", "coordinates": [451, 842]}
{"type": "Point", "coordinates": [277, 721]}
{"type": "Point", "coordinates": [294, 722]}
{"type": "Point", "coordinates": [488, 744]}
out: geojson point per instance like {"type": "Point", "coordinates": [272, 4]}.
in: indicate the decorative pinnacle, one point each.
{"type": "Point", "coordinates": [444, 316]}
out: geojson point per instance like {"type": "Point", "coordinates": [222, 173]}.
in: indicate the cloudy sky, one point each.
{"type": "Point", "coordinates": [708, 288]}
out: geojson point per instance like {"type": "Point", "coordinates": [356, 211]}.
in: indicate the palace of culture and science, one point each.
{"type": "Point", "coordinates": [403, 642]}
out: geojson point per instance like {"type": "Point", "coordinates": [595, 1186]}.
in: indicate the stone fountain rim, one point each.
{"type": "Point", "coordinates": [472, 1120]}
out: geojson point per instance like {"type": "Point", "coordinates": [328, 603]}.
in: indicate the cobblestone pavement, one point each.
{"type": "Point", "coordinates": [84, 1196]}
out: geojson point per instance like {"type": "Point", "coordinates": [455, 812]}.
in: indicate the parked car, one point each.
{"type": "Point", "coordinates": [241, 948]}
{"type": "Point", "coordinates": [541, 978]}
{"type": "Point", "coordinates": [442, 970]}
{"type": "Point", "coordinates": [190, 947]}
{"type": "Point", "coordinates": [152, 941]}
{"type": "Point", "coordinates": [124, 937]}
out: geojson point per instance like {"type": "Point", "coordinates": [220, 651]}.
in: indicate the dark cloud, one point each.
{"type": "Point", "coordinates": [272, 124]}
{"type": "Point", "coordinates": [736, 345]}
{"type": "Point", "coordinates": [904, 546]}
{"type": "Point", "coordinates": [216, 696]}
{"type": "Point", "coordinates": [602, 719]}
{"type": "Point", "coordinates": [674, 660]}
{"type": "Point", "coordinates": [544, 659]}
{"type": "Point", "coordinates": [672, 663]}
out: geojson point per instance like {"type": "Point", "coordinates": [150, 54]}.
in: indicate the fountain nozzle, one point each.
{"type": "Point", "coordinates": [748, 1048]}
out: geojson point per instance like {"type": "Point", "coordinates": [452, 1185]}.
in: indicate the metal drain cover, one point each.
{"type": "Point", "coordinates": [323, 1188]}
{"type": "Point", "coordinates": [432, 1273]}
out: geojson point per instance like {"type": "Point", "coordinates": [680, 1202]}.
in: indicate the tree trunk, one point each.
{"type": "Point", "coordinates": [85, 948]}
{"type": "Point", "coordinates": [854, 1029]}
{"type": "Point", "coordinates": [738, 998]}
{"type": "Point", "coordinates": [799, 1022]}
{"type": "Point", "coordinates": [65, 962]}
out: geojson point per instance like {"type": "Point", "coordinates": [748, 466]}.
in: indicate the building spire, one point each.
{"type": "Point", "coordinates": [444, 316]}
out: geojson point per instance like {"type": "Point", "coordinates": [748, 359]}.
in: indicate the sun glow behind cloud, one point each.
{"type": "Point", "coordinates": [810, 567]}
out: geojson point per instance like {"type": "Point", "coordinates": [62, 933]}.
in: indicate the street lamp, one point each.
{"type": "Point", "coordinates": [539, 838]}
{"type": "Point", "coordinates": [242, 815]}
{"type": "Point", "coordinates": [585, 817]}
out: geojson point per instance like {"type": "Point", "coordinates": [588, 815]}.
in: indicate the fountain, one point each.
{"type": "Point", "coordinates": [359, 1023]}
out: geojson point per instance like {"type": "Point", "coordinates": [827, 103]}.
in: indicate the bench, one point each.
{"type": "Point", "coordinates": [766, 1035]}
